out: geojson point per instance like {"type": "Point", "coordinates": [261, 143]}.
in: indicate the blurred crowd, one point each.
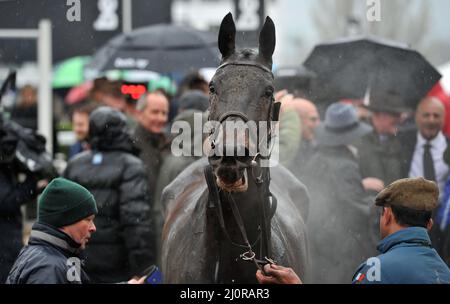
{"type": "Point", "coordinates": [122, 156]}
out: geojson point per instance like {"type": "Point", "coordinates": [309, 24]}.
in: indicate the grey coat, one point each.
{"type": "Point", "coordinates": [338, 221]}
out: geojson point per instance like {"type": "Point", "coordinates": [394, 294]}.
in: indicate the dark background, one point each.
{"type": "Point", "coordinates": [69, 38]}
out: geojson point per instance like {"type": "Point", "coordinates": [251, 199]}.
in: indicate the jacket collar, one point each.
{"type": "Point", "coordinates": [155, 139]}
{"type": "Point", "coordinates": [43, 233]}
{"type": "Point", "coordinates": [410, 235]}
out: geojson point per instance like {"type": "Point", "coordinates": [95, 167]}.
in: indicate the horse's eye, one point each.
{"type": "Point", "coordinates": [212, 89]}
{"type": "Point", "coordinates": [269, 92]}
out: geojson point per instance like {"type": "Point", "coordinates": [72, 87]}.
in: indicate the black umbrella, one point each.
{"type": "Point", "coordinates": [348, 68]}
{"type": "Point", "coordinates": [159, 48]}
{"type": "Point", "coordinates": [296, 80]}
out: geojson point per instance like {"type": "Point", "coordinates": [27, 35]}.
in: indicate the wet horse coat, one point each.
{"type": "Point", "coordinates": [195, 248]}
{"type": "Point", "coordinates": [189, 246]}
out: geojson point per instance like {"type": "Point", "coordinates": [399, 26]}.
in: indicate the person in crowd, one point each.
{"type": "Point", "coordinates": [25, 111]}
{"type": "Point", "coordinates": [149, 135]}
{"type": "Point", "coordinates": [424, 147]}
{"type": "Point", "coordinates": [167, 87]}
{"type": "Point", "coordinates": [309, 118]}
{"type": "Point", "coordinates": [124, 243]}
{"type": "Point", "coordinates": [380, 152]}
{"type": "Point", "coordinates": [339, 216]}
{"type": "Point", "coordinates": [194, 81]}
{"type": "Point", "coordinates": [406, 254]}
{"type": "Point", "coordinates": [172, 165]}
{"type": "Point", "coordinates": [13, 194]}
{"type": "Point", "coordinates": [193, 100]}
{"type": "Point", "coordinates": [108, 93]}
{"type": "Point", "coordinates": [80, 122]}
{"type": "Point", "coordinates": [289, 127]}
{"type": "Point", "coordinates": [424, 150]}
{"type": "Point", "coordinates": [64, 227]}
{"type": "Point", "coordinates": [440, 233]}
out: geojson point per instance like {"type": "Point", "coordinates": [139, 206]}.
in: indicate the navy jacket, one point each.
{"type": "Point", "coordinates": [406, 258]}
{"type": "Point", "coordinates": [51, 257]}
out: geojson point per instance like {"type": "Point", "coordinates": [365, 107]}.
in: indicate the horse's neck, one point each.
{"type": "Point", "coordinates": [231, 268]}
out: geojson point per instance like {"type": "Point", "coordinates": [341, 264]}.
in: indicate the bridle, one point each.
{"type": "Point", "coordinates": [246, 63]}
{"type": "Point", "coordinates": [273, 113]}
{"type": "Point", "coordinates": [262, 180]}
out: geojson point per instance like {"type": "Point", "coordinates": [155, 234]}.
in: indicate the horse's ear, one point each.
{"type": "Point", "coordinates": [267, 40]}
{"type": "Point", "coordinates": [227, 36]}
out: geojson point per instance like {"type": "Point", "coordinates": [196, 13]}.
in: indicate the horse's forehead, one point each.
{"type": "Point", "coordinates": [244, 74]}
{"type": "Point", "coordinates": [245, 54]}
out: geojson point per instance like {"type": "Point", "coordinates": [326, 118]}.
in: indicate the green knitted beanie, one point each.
{"type": "Point", "coordinates": [64, 202]}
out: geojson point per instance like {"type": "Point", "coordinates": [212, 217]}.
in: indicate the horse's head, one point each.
{"type": "Point", "coordinates": [241, 96]}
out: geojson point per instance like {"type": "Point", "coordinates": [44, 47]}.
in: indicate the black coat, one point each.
{"type": "Point", "coordinates": [440, 239]}
{"type": "Point", "coordinates": [51, 257]}
{"type": "Point", "coordinates": [152, 149]}
{"type": "Point", "coordinates": [12, 195]}
{"type": "Point", "coordinates": [408, 140]}
{"type": "Point", "coordinates": [382, 160]}
{"type": "Point", "coordinates": [339, 229]}
{"type": "Point", "coordinates": [124, 242]}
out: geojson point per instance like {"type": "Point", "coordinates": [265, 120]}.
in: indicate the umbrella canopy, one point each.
{"type": "Point", "coordinates": [137, 76]}
{"type": "Point", "coordinates": [348, 68]}
{"type": "Point", "coordinates": [69, 73]}
{"type": "Point", "coordinates": [296, 80]}
{"type": "Point", "coordinates": [160, 48]}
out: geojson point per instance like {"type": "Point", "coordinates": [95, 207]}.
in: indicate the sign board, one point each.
{"type": "Point", "coordinates": [249, 18]}
{"type": "Point", "coordinates": [79, 27]}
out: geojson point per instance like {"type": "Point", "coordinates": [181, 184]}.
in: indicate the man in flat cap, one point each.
{"type": "Point", "coordinates": [407, 256]}
{"type": "Point", "coordinates": [406, 253]}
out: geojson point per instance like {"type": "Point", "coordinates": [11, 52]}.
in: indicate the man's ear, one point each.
{"type": "Point", "coordinates": [430, 224]}
{"type": "Point", "coordinates": [389, 216]}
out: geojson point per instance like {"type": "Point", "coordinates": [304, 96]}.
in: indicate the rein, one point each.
{"type": "Point", "coordinates": [267, 211]}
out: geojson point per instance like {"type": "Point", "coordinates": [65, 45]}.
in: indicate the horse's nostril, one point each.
{"type": "Point", "coordinates": [228, 175]}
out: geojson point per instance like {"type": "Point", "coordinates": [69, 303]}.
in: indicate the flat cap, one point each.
{"type": "Point", "coordinates": [413, 193]}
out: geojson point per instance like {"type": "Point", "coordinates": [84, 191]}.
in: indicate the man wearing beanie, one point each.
{"type": "Point", "coordinates": [65, 223]}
